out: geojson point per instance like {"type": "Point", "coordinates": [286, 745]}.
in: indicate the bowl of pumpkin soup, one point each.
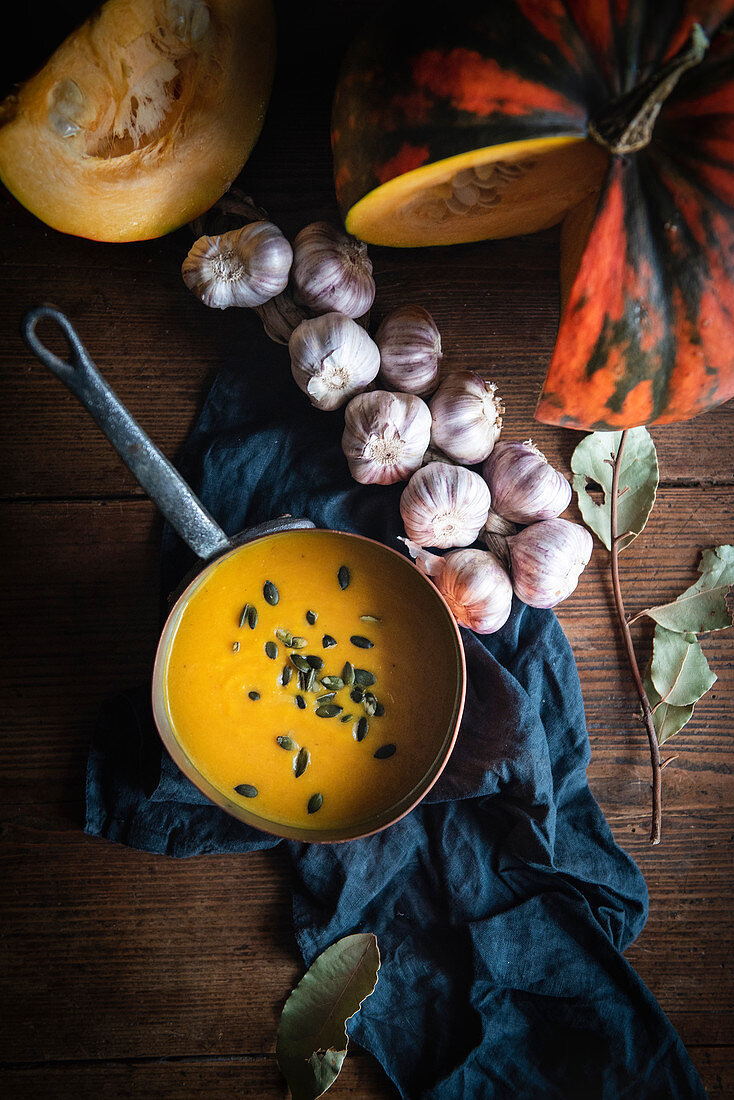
{"type": "Point", "coordinates": [311, 684]}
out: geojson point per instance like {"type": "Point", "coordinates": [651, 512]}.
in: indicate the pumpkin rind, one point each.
{"type": "Point", "coordinates": [647, 329]}
{"type": "Point", "coordinates": [142, 118]}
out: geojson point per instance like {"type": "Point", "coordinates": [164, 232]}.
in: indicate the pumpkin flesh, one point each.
{"type": "Point", "coordinates": [142, 118]}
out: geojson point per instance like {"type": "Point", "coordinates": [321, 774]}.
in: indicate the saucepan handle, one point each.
{"type": "Point", "coordinates": [161, 481]}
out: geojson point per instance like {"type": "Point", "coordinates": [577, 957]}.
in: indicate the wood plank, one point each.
{"type": "Point", "coordinates": [112, 953]}
{"type": "Point", "coordinates": [219, 1079]}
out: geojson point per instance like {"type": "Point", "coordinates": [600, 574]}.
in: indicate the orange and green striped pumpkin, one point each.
{"type": "Point", "coordinates": [616, 117]}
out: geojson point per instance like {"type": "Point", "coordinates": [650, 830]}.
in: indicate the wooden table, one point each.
{"type": "Point", "coordinates": [125, 974]}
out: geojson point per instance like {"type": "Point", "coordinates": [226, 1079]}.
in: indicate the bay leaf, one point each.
{"type": "Point", "coordinates": [703, 606]}
{"type": "Point", "coordinates": [592, 461]}
{"type": "Point", "coordinates": [312, 1039]}
{"type": "Point", "coordinates": [679, 670]}
{"type": "Point", "coordinates": [666, 718]}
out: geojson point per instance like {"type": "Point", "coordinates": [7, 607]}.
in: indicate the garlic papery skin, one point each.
{"type": "Point", "coordinates": [474, 584]}
{"type": "Point", "coordinates": [525, 488]}
{"type": "Point", "coordinates": [244, 267]}
{"type": "Point", "coordinates": [410, 350]}
{"type": "Point", "coordinates": [332, 271]}
{"type": "Point", "coordinates": [495, 533]}
{"type": "Point", "coordinates": [547, 559]}
{"type": "Point", "coordinates": [467, 417]}
{"type": "Point", "coordinates": [444, 506]}
{"type": "Point", "coordinates": [332, 359]}
{"type": "Point", "coordinates": [385, 436]}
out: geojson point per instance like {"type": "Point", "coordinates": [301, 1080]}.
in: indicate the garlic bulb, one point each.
{"type": "Point", "coordinates": [332, 358]}
{"type": "Point", "coordinates": [474, 584]}
{"type": "Point", "coordinates": [385, 436]}
{"type": "Point", "coordinates": [444, 505]}
{"type": "Point", "coordinates": [467, 417]}
{"type": "Point", "coordinates": [332, 271]}
{"type": "Point", "coordinates": [280, 316]}
{"type": "Point", "coordinates": [525, 488]}
{"type": "Point", "coordinates": [547, 560]}
{"type": "Point", "coordinates": [410, 350]}
{"type": "Point", "coordinates": [494, 536]}
{"type": "Point", "coordinates": [244, 267]}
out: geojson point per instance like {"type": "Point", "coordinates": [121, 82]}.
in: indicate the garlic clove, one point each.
{"type": "Point", "coordinates": [410, 350]}
{"type": "Point", "coordinates": [547, 560]}
{"type": "Point", "coordinates": [525, 488]}
{"type": "Point", "coordinates": [444, 505]}
{"type": "Point", "coordinates": [332, 271]}
{"type": "Point", "coordinates": [385, 436]}
{"type": "Point", "coordinates": [244, 267]}
{"type": "Point", "coordinates": [332, 359]}
{"type": "Point", "coordinates": [474, 584]}
{"type": "Point", "coordinates": [467, 417]}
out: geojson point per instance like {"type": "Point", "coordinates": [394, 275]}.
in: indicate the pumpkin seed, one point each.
{"type": "Point", "coordinates": [328, 710]}
{"type": "Point", "coordinates": [285, 637]}
{"type": "Point", "coordinates": [315, 661]}
{"type": "Point", "coordinates": [298, 642]}
{"type": "Point", "coordinates": [363, 677]}
{"type": "Point", "coordinates": [333, 683]}
{"type": "Point", "coordinates": [361, 642]}
{"type": "Point", "coordinates": [356, 694]}
{"type": "Point", "coordinates": [346, 717]}
{"type": "Point", "coordinates": [299, 662]}
{"type": "Point", "coordinates": [252, 617]}
{"type": "Point", "coordinates": [301, 762]}
{"type": "Point", "coordinates": [315, 803]}
{"type": "Point", "coordinates": [286, 742]}
{"type": "Point", "coordinates": [286, 675]}
{"type": "Point", "coordinates": [310, 680]}
{"type": "Point", "coordinates": [361, 729]}
{"type": "Point", "coordinates": [348, 674]}
{"type": "Point", "coordinates": [245, 615]}
{"type": "Point", "coordinates": [311, 617]}
{"type": "Point", "coordinates": [384, 751]}
{"type": "Point", "coordinates": [370, 619]}
{"type": "Point", "coordinates": [326, 698]}
{"type": "Point", "coordinates": [271, 650]}
{"type": "Point", "coordinates": [235, 647]}
{"type": "Point", "coordinates": [343, 576]}
{"type": "Point", "coordinates": [379, 710]}
{"type": "Point", "coordinates": [247, 790]}
{"type": "Point", "coordinates": [328, 642]}
{"type": "Point", "coordinates": [300, 702]}
{"type": "Point", "coordinates": [254, 694]}
{"type": "Point", "coordinates": [369, 702]}
{"type": "Point", "coordinates": [271, 593]}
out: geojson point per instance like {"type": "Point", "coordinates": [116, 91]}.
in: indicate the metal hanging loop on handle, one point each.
{"type": "Point", "coordinates": [161, 481]}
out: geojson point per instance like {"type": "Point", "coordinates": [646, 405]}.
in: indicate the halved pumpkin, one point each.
{"type": "Point", "coordinates": [142, 118]}
{"type": "Point", "coordinates": [488, 118]}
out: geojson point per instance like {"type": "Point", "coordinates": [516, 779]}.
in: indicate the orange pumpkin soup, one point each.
{"type": "Point", "coordinates": [305, 682]}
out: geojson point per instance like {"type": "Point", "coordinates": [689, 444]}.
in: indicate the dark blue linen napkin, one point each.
{"type": "Point", "coordinates": [502, 903]}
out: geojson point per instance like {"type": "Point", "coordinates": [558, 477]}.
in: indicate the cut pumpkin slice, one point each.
{"type": "Point", "coordinates": [142, 118]}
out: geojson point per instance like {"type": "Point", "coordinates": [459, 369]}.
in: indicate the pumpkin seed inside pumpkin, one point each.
{"type": "Point", "coordinates": [328, 641]}
{"type": "Point", "coordinates": [361, 642]}
{"type": "Point", "coordinates": [384, 752]}
{"type": "Point", "coordinates": [311, 617]}
{"type": "Point", "coordinates": [254, 694]}
{"type": "Point", "coordinates": [315, 803]}
{"type": "Point", "coordinates": [287, 742]}
{"type": "Point", "coordinates": [343, 576]}
{"type": "Point", "coordinates": [301, 762]}
{"type": "Point", "coordinates": [271, 650]}
{"type": "Point", "coordinates": [328, 710]}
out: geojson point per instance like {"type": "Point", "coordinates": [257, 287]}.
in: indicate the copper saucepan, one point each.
{"type": "Point", "coordinates": [187, 515]}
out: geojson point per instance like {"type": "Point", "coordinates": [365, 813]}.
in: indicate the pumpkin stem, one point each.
{"type": "Point", "coordinates": [626, 124]}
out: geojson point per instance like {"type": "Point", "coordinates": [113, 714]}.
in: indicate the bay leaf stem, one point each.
{"type": "Point", "coordinates": [616, 539]}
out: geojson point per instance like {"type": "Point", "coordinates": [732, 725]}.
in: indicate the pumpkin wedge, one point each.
{"type": "Point", "coordinates": [142, 118]}
{"type": "Point", "coordinates": [507, 116]}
